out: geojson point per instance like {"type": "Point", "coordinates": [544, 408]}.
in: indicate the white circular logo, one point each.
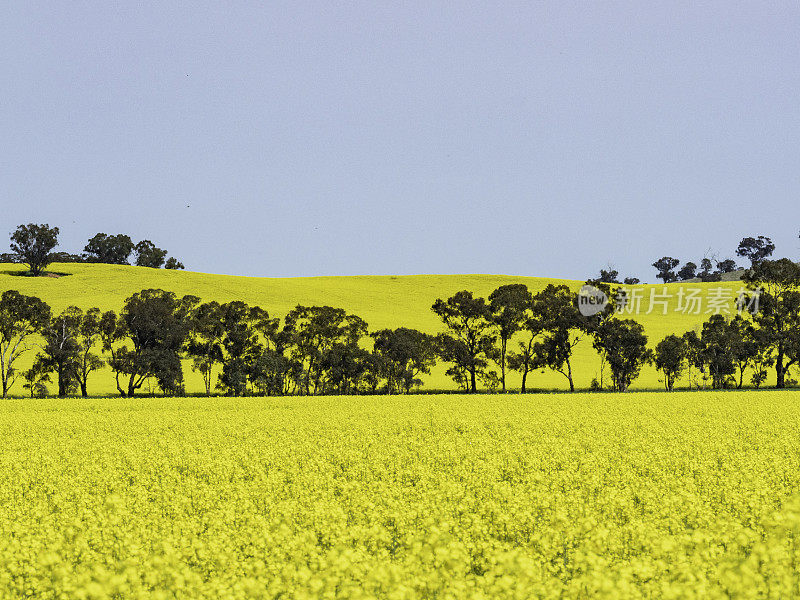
{"type": "Point", "coordinates": [591, 300]}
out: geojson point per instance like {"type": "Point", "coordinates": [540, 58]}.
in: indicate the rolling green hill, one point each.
{"type": "Point", "coordinates": [383, 301]}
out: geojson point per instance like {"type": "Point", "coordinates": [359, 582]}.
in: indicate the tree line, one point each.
{"type": "Point", "coordinates": [708, 269]}
{"type": "Point", "coordinates": [34, 244]}
{"type": "Point", "coordinates": [239, 349]}
{"type": "Point", "coordinates": [754, 249]}
{"type": "Point", "coordinates": [726, 349]}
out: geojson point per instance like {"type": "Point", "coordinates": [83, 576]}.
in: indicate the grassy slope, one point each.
{"type": "Point", "coordinates": [383, 301]}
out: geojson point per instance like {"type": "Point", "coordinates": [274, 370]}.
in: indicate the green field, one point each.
{"type": "Point", "coordinates": [643, 495]}
{"type": "Point", "coordinates": [383, 301]}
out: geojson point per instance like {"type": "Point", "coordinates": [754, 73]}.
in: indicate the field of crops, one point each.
{"type": "Point", "coordinates": [637, 495]}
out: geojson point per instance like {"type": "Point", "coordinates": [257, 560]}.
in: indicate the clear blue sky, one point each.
{"type": "Point", "coordinates": [299, 138]}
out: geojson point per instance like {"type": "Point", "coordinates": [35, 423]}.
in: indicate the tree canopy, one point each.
{"type": "Point", "coordinates": [33, 244]}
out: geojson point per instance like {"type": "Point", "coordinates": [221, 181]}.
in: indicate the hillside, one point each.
{"type": "Point", "coordinates": [383, 301]}
{"type": "Point", "coordinates": [732, 276]}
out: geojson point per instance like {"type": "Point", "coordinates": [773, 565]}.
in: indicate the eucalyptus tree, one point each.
{"type": "Point", "coordinates": [406, 354]}
{"type": "Point", "coordinates": [271, 373]}
{"type": "Point", "coordinates": [745, 346]}
{"type": "Point", "coordinates": [246, 333]}
{"type": "Point", "coordinates": [145, 340]}
{"type": "Point", "coordinates": [21, 317]}
{"type": "Point", "coordinates": [508, 308]}
{"type": "Point", "coordinates": [204, 342]}
{"type": "Point", "coordinates": [714, 349]}
{"type": "Point", "coordinates": [173, 263]}
{"type": "Point", "coordinates": [687, 271]}
{"type": "Point", "coordinates": [525, 359]}
{"type": "Point", "coordinates": [563, 328]}
{"type": "Point", "coordinates": [33, 244]}
{"type": "Point", "coordinates": [624, 345]}
{"type": "Point", "coordinates": [36, 377]}
{"type": "Point", "coordinates": [755, 249]}
{"type": "Point", "coordinates": [61, 349]}
{"type": "Point", "coordinates": [88, 336]}
{"type": "Point", "coordinates": [670, 357]}
{"type": "Point", "coordinates": [311, 332]}
{"type": "Point", "coordinates": [462, 364]}
{"type": "Point", "coordinates": [149, 255]}
{"type": "Point", "coordinates": [777, 285]}
{"type": "Point", "coordinates": [345, 366]}
{"type": "Point", "coordinates": [109, 249]}
{"type": "Point", "coordinates": [469, 325]}
{"type": "Point", "coordinates": [665, 267]}
{"type": "Point", "coordinates": [695, 357]}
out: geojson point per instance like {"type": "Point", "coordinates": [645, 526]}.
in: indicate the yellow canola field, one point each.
{"type": "Point", "coordinates": [640, 495]}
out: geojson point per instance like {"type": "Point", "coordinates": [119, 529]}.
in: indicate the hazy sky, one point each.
{"type": "Point", "coordinates": [298, 138]}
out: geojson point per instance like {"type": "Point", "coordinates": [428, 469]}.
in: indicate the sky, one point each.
{"type": "Point", "coordinates": [325, 138]}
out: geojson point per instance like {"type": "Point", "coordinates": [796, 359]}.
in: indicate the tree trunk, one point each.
{"type": "Point", "coordinates": [569, 377]}
{"type": "Point", "coordinates": [62, 382]}
{"type": "Point", "coordinates": [472, 381]}
{"type": "Point", "coordinates": [119, 387]}
{"type": "Point", "coordinates": [503, 345]}
{"type": "Point", "coordinates": [524, 377]}
{"type": "Point", "coordinates": [207, 381]}
{"type": "Point", "coordinates": [83, 388]}
{"type": "Point", "coordinates": [602, 370]}
{"type": "Point", "coordinates": [780, 370]}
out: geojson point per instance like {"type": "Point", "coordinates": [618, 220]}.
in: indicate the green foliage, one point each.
{"type": "Point", "coordinates": [21, 317]}
{"type": "Point", "coordinates": [61, 351]}
{"type": "Point", "coordinates": [608, 276]}
{"type": "Point", "coordinates": [321, 339]}
{"type": "Point", "coordinates": [563, 325]}
{"type": "Point", "coordinates": [670, 358]}
{"type": "Point", "coordinates": [778, 317]}
{"type": "Point", "coordinates": [406, 353]}
{"type": "Point", "coordinates": [36, 378]}
{"type": "Point", "coordinates": [717, 340]}
{"type": "Point", "coordinates": [34, 244]}
{"type": "Point", "coordinates": [173, 263]}
{"type": "Point", "coordinates": [687, 271]}
{"type": "Point", "coordinates": [148, 255]}
{"type": "Point", "coordinates": [88, 336]}
{"type": "Point", "coordinates": [238, 338]}
{"type": "Point", "coordinates": [623, 343]}
{"type": "Point", "coordinates": [469, 342]}
{"type": "Point", "coordinates": [204, 344]}
{"type": "Point", "coordinates": [665, 267]}
{"type": "Point", "coordinates": [755, 249]}
{"type": "Point", "coordinates": [726, 266]}
{"type": "Point", "coordinates": [109, 249]}
{"type": "Point", "coordinates": [154, 324]}
{"type": "Point", "coordinates": [509, 307]}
